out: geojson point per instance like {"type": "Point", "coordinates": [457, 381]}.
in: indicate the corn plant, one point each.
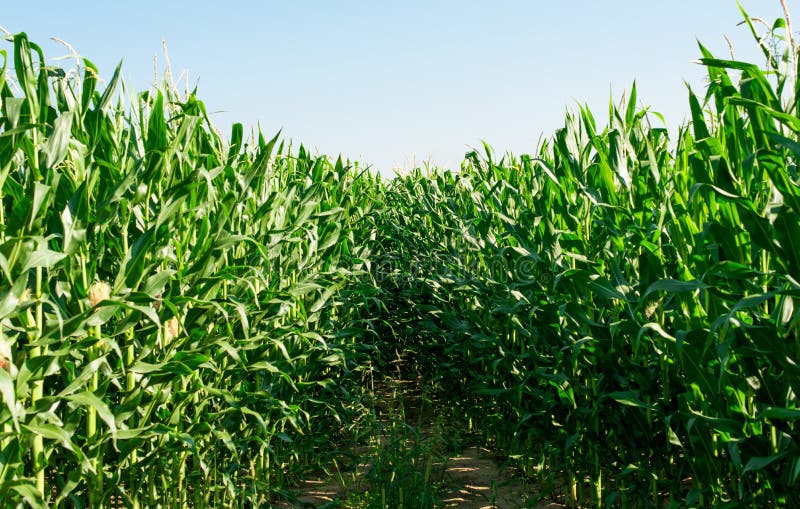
{"type": "Point", "coordinates": [619, 313]}
{"type": "Point", "coordinates": [173, 327]}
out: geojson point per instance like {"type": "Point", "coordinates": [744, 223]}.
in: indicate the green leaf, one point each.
{"type": "Point", "coordinates": [674, 286]}
{"type": "Point", "coordinates": [55, 148]}
{"type": "Point", "coordinates": [630, 398]}
{"type": "Point", "coordinates": [787, 229]}
{"type": "Point", "coordinates": [780, 413]}
{"type": "Point", "coordinates": [43, 257]}
{"type": "Point", "coordinates": [74, 232]}
{"type": "Point", "coordinates": [132, 269]}
{"type": "Point", "coordinates": [9, 299]}
{"type": "Point", "coordinates": [52, 432]}
{"type": "Point", "coordinates": [89, 399]}
{"type": "Point", "coordinates": [29, 493]}
{"type": "Point", "coordinates": [9, 397]}
{"type": "Point", "coordinates": [40, 192]}
{"type": "Point", "coordinates": [761, 462]}
{"type": "Point", "coordinates": [110, 88]}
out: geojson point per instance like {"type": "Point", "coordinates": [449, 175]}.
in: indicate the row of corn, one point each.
{"type": "Point", "coordinates": [618, 308]}
{"type": "Point", "coordinates": [175, 309]}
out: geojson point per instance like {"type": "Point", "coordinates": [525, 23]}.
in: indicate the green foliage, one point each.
{"type": "Point", "coordinates": [618, 307]}
{"type": "Point", "coordinates": [406, 462]}
{"type": "Point", "coordinates": [186, 320]}
{"type": "Point", "coordinates": [188, 292]}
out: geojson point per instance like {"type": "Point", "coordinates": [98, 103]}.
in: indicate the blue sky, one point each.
{"type": "Point", "coordinates": [391, 83]}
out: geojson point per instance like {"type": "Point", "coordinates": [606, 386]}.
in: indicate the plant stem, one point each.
{"type": "Point", "coordinates": [38, 388]}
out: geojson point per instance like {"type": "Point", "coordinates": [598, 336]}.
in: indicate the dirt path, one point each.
{"type": "Point", "coordinates": [473, 480]}
{"type": "Point", "coordinates": [470, 480]}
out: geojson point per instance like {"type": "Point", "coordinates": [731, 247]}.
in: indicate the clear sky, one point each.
{"type": "Point", "coordinates": [390, 83]}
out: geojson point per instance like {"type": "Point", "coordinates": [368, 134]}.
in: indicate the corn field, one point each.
{"type": "Point", "coordinates": [192, 320]}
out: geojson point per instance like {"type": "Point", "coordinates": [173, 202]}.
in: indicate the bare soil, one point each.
{"type": "Point", "coordinates": [476, 481]}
